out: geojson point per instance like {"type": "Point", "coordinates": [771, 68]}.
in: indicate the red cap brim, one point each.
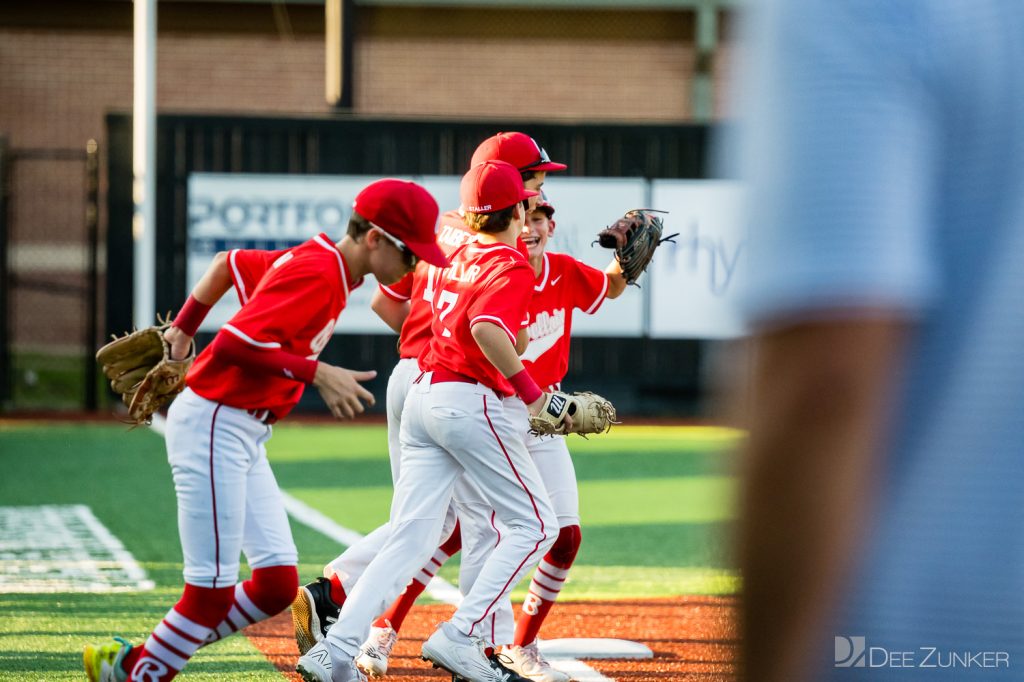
{"type": "Point", "coordinates": [430, 252]}
{"type": "Point", "coordinates": [547, 166]}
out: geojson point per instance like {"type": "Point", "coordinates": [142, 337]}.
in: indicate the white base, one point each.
{"type": "Point", "coordinates": [593, 648]}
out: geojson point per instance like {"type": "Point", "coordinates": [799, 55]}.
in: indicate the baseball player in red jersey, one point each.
{"type": "Point", "coordinates": [562, 284]}
{"type": "Point", "coordinates": [407, 309]}
{"type": "Point", "coordinates": [462, 416]}
{"type": "Point", "coordinates": [251, 375]}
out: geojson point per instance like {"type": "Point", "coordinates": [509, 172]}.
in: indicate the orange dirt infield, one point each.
{"type": "Point", "coordinates": [693, 638]}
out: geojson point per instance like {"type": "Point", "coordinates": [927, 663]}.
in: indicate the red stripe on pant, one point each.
{"type": "Point", "coordinates": [536, 511]}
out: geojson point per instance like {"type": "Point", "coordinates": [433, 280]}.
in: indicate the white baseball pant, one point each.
{"type": "Point", "coordinates": [349, 566]}
{"type": "Point", "coordinates": [447, 429]}
{"type": "Point", "coordinates": [228, 498]}
{"type": "Point", "coordinates": [481, 529]}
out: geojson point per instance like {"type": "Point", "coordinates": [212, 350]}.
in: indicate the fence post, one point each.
{"type": "Point", "coordinates": [92, 206]}
{"type": "Point", "coordinates": [5, 279]}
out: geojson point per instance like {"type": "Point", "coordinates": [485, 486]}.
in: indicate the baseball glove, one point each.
{"type": "Point", "coordinates": [634, 237]}
{"type": "Point", "coordinates": [590, 414]}
{"type": "Point", "coordinates": [141, 371]}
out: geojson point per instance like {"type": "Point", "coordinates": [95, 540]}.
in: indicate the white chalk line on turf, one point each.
{"type": "Point", "coordinates": [63, 548]}
{"type": "Point", "coordinates": [438, 589]}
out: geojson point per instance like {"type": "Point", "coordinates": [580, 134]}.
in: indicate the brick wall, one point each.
{"type": "Point", "coordinates": [58, 83]}
{"type": "Point", "coordinates": [60, 74]}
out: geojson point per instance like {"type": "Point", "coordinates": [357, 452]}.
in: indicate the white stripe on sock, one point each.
{"type": "Point", "coordinates": [237, 619]}
{"type": "Point", "coordinates": [190, 628]}
{"type": "Point", "coordinates": [553, 571]}
{"type": "Point", "coordinates": [174, 640]}
{"type": "Point", "coordinates": [546, 583]}
{"type": "Point", "coordinates": [247, 605]}
{"type": "Point", "coordinates": [543, 593]}
{"type": "Point", "coordinates": [158, 650]}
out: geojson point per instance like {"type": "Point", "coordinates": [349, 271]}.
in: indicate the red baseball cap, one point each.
{"type": "Point", "coordinates": [518, 149]}
{"type": "Point", "coordinates": [491, 186]}
{"type": "Point", "coordinates": [405, 211]}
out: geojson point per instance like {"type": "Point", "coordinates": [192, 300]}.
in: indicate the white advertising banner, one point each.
{"type": "Point", "coordinates": [689, 291]}
{"type": "Point", "coordinates": [255, 211]}
{"type": "Point", "coordinates": [696, 280]}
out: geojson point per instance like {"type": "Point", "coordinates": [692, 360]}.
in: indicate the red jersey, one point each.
{"type": "Point", "coordinates": [451, 234]}
{"type": "Point", "coordinates": [290, 301]}
{"type": "Point", "coordinates": [564, 284]}
{"type": "Point", "coordinates": [486, 283]}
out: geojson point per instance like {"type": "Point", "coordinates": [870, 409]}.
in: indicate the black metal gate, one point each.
{"type": "Point", "coordinates": [49, 266]}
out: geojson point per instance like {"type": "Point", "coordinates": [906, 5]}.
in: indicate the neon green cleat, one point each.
{"type": "Point", "coordinates": [103, 663]}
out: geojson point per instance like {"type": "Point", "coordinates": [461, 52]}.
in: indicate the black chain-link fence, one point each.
{"type": "Point", "coordinates": [50, 271]}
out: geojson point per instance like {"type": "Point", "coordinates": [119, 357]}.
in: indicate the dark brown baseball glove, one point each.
{"type": "Point", "coordinates": [634, 237]}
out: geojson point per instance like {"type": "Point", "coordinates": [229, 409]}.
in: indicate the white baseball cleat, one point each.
{"type": "Point", "coordinates": [375, 652]}
{"type": "Point", "coordinates": [460, 655]}
{"type": "Point", "coordinates": [316, 666]}
{"type": "Point", "coordinates": [530, 663]}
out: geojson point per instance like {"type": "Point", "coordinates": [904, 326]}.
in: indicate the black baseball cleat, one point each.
{"type": "Point", "coordinates": [501, 672]}
{"type": "Point", "coordinates": [313, 613]}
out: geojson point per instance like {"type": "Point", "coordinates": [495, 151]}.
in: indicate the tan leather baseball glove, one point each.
{"type": "Point", "coordinates": [590, 414]}
{"type": "Point", "coordinates": [141, 371]}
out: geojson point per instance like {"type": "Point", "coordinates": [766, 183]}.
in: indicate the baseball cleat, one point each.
{"type": "Point", "coordinates": [531, 664]}
{"type": "Point", "coordinates": [460, 655]}
{"type": "Point", "coordinates": [375, 652]}
{"type": "Point", "coordinates": [502, 666]}
{"type": "Point", "coordinates": [316, 666]}
{"type": "Point", "coordinates": [103, 663]}
{"type": "Point", "coordinates": [313, 613]}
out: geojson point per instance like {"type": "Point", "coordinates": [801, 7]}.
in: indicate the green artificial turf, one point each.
{"type": "Point", "coordinates": [656, 506]}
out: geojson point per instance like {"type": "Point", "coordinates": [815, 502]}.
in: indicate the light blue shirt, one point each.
{"type": "Point", "coordinates": [885, 150]}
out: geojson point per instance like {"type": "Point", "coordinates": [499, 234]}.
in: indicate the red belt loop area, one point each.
{"type": "Point", "coordinates": [442, 375]}
{"type": "Point", "coordinates": [265, 416]}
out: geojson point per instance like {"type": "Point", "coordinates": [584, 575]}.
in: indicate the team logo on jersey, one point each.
{"type": "Point", "coordinates": [149, 670]}
{"type": "Point", "coordinates": [545, 332]}
{"type": "Point", "coordinates": [556, 405]}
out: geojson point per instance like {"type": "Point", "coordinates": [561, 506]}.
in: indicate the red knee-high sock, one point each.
{"type": "Point", "coordinates": [399, 609]}
{"type": "Point", "coordinates": [180, 634]}
{"type": "Point", "coordinates": [546, 584]}
{"type": "Point", "coordinates": [269, 591]}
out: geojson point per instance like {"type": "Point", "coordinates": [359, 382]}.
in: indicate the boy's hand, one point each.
{"type": "Point", "coordinates": [341, 390]}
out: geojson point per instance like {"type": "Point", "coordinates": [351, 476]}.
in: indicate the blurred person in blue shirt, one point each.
{"type": "Point", "coordinates": [882, 499]}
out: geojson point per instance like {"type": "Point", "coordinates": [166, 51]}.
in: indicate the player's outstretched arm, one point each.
{"type": "Point", "coordinates": [616, 280]}
{"type": "Point", "coordinates": [341, 390]}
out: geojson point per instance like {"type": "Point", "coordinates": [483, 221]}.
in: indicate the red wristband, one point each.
{"type": "Point", "coordinates": [191, 316]}
{"type": "Point", "coordinates": [525, 386]}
